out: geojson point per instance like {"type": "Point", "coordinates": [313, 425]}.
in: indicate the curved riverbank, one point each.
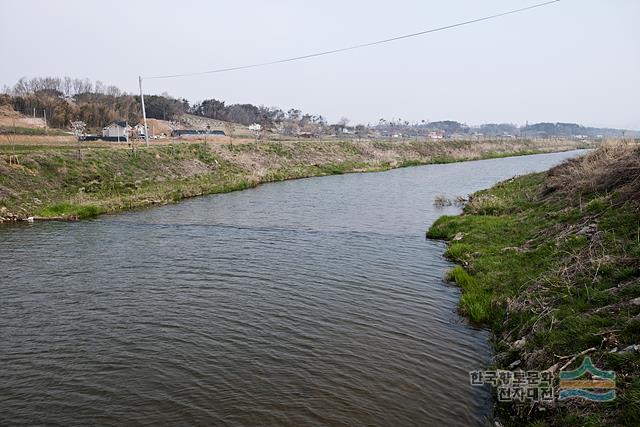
{"type": "Point", "coordinates": [304, 302]}
{"type": "Point", "coordinates": [551, 264]}
{"type": "Point", "coordinates": [56, 183]}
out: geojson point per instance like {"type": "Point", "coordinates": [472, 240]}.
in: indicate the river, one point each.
{"type": "Point", "coordinates": [310, 302]}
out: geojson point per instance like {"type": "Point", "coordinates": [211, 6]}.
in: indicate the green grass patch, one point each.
{"type": "Point", "coordinates": [442, 160]}
{"type": "Point", "coordinates": [475, 301]}
{"type": "Point", "coordinates": [409, 163]}
{"type": "Point", "coordinates": [69, 210]}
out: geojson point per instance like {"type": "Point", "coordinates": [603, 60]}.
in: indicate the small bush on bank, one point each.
{"type": "Point", "coordinates": [486, 204]}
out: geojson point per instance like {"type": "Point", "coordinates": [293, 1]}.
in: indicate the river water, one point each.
{"type": "Point", "coordinates": [309, 302]}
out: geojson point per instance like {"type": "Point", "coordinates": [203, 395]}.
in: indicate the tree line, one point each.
{"type": "Point", "coordinates": [64, 99]}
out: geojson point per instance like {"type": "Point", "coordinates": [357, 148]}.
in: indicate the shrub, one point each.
{"type": "Point", "coordinates": [69, 210]}
{"type": "Point", "coordinates": [486, 204]}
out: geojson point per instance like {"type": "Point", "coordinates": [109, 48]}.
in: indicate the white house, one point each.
{"type": "Point", "coordinates": [139, 130]}
{"type": "Point", "coordinates": [117, 129]}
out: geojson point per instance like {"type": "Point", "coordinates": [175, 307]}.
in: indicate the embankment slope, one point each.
{"type": "Point", "coordinates": [550, 263]}
{"type": "Point", "coordinates": [55, 182]}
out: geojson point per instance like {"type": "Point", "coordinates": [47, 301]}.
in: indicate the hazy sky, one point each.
{"type": "Point", "coordinates": [574, 61]}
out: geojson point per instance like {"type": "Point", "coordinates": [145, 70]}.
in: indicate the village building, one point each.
{"type": "Point", "coordinates": [138, 130]}
{"type": "Point", "coordinates": [117, 130]}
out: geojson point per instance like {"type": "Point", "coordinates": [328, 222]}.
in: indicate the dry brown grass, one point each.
{"type": "Point", "coordinates": [613, 168]}
{"type": "Point", "coordinates": [10, 118]}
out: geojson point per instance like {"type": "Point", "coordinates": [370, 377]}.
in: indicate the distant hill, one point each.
{"type": "Point", "coordinates": [573, 129]}
{"type": "Point", "coordinates": [537, 130]}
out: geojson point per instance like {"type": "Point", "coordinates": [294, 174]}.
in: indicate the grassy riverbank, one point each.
{"type": "Point", "coordinates": [551, 264]}
{"type": "Point", "coordinates": [51, 182]}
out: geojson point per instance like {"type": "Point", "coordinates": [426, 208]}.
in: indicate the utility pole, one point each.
{"type": "Point", "coordinates": [144, 114]}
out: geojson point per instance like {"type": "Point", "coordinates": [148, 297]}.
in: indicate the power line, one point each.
{"type": "Point", "coordinates": [358, 46]}
{"type": "Point", "coordinates": [330, 52]}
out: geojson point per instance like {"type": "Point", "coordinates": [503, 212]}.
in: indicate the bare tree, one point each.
{"type": "Point", "coordinates": [86, 86]}
{"type": "Point", "coordinates": [257, 130]}
{"type": "Point", "coordinates": [362, 131]}
{"type": "Point", "coordinates": [113, 91]}
{"type": "Point", "coordinates": [99, 87]}
{"type": "Point", "coordinates": [230, 129]}
{"type": "Point", "coordinates": [67, 86]}
{"type": "Point", "coordinates": [11, 140]}
{"type": "Point", "coordinates": [77, 86]}
{"type": "Point", "coordinates": [78, 128]}
{"type": "Point", "coordinates": [342, 124]}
